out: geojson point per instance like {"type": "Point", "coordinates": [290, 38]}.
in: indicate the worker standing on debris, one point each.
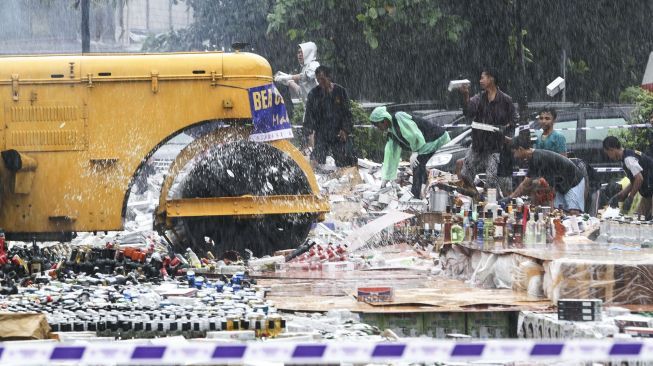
{"type": "Point", "coordinates": [419, 136]}
{"type": "Point", "coordinates": [496, 118]}
{"type": "Point", "coordinates": [639, 169]}
{"type": "Point", "coordinates": [549, 139]}
{"type": "Point", "coordinates": [328, 121]}
{"type": "Point", "coordinates": [560, 173]}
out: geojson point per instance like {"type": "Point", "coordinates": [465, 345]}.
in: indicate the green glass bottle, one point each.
{"type": "Point", "coordinates": [457, 232]}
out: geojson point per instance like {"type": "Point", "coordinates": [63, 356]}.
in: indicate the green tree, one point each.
{"type": "Point", "coordinates": [368, 141]}
{"type": "Point", "coordinates": [639, 138]}
{"type": "Point", "coordinates": [406, 50]}
{"type": "Point", "coordinates": [378, 48]}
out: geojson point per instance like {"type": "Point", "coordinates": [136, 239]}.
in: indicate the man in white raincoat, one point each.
{"type": "Point", "coordinates": [405, 132]}
{"type": "Point", "coordinates": [302, 83]}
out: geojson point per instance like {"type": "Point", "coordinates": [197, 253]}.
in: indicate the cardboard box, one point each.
{"type": "Point", "coordinates": [489, 325]}
{"type": "Point", "coordinates": [373, 319]}
{"type": "Point", "coordinates": [338, 266]}
{"type": "Point", "coordinates": [375, 295]}
{"type": "Point", "coordinates": [405, 324]}
{"type": "Point", "coordinates": [438, 325]}
{"type": "Point", "coordinates": [23, 326]}
{"type": "Point", "coordinates": [580, 309]}
{"type": "Point", "coordinates": [240, 335]}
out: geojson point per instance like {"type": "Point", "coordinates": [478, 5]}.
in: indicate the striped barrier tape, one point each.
{"type": "Point", "coordinates": [524, 172]}
{"type": "Point", "coordinates": [412, 351]}
{"type": "Point", "coordinates": [641, 125]}
{"type": "Point", "coordinates": [527, 127]}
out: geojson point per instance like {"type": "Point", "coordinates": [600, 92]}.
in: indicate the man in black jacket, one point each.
{"type": "Point", "coordinates": [496, 119]}
{"type": "Point", "coordinates": [328, 121]}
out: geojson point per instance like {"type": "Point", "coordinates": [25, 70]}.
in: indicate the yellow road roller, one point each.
{"type": "Point", "coordinates": [78, 129]}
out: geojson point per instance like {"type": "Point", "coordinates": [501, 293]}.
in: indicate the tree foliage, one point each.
{"type": "Point", "coordinates": [370, 42]}
{"type": "Point", "coordinates": [402, 50]}
{"type": "Point", "coordinates": [639, 138]}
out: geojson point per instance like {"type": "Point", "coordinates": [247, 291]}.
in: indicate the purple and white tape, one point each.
{"type": "Point", "coordinates": [410, 351]}
{"type": "Point", "coordinates": [524, 172]}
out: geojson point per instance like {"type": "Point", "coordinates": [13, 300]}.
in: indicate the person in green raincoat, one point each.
{"type": "Point", "coordinates": [405, 132]}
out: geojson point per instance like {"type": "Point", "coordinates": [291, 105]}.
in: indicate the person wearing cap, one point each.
{"type": "Point", "coordinates": [639, 170]}
{"type": "Point", "coordinates": [560, 173]}
{"type": "Point", "coordinates": [494, 110]}
{"type": "Point", "coordinates": [405, 132]}
{"type": "Point", "coordinates": [550, 139]}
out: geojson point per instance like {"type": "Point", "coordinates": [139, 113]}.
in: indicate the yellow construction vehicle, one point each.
{"type": "Point", "coordinates": [78, 129]}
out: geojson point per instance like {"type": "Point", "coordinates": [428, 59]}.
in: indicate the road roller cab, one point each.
{"type": "Point", "coordinates": [78, 128]}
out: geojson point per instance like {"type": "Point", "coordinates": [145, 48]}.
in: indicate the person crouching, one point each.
{"type": "Point", "coordinates": [405, 132]}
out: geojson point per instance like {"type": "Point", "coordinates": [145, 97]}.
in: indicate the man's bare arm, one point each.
{"type": "Point", "coordinates": [523, 186]}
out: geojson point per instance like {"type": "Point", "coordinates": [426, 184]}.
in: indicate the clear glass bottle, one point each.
{"type": "Point", "coordinates": [540, 231]}
{"type": "Point", "coordinates": [518, 231]}
{"type": "Point", "coordinates": [647, 235]}
{"type": "Point", "coordinates": [468, 226]}
{"type": "Point", "coordinates": [603, 229]}
{"type": "Point", "coordinates": [530, 237]}
{"type": "Point", "coordinates": [509, 234]}
{"type": "Point", "coordinates": [617, 232]}
{"type": "Point", "coordinates": [609, 227]}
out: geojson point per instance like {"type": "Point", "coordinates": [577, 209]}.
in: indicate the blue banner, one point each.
{"type": "Point", "coordinates": [269, 114]}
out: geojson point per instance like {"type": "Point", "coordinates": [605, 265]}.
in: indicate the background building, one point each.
{"type": "Point", "coordinates": [38, 26]}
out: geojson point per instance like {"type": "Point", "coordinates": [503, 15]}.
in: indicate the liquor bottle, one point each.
{"type": "Point", "coordinates": [193, 259]}
{"type": "Point", "coordinates": [531, 232]}
{"type": "Point", "coordinates": [519, 215]}
{"type": "Point", "coordinates": [476, 214]}
{"type": "Point", "coordinates": [488, 228]}
{"type": "Point", "coordinates": [518, 231]}
{"type": "Point", "coordinates": [499, 227]}
{"type": "Point", "coordinates": [559, 231]}
{"type": "Point", "coordinates": [36, 262]}
{"type": "Point", "coordinates": [457, 231]}
{"type": "Point", "coordinates": [447, 225]}
{"type": "Point", "coordinates": [540, 230]}
{"type": "Point", "coordinates": [509, 233]}
{"type": "Point", "coordinates": [468, 226]}
{"type": "Point", "coordinates": [510, 208]}
{"type": "Point", "coordinates": [548, 221]}
{"type": "Point", "coordinates": [525, 217]}
{"type": "Point", "coordinates": [438, 233]}
{"type": "Point", "coordinates": [460, 215]}
{"type": "Point", "coordinates": [480, 227]}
